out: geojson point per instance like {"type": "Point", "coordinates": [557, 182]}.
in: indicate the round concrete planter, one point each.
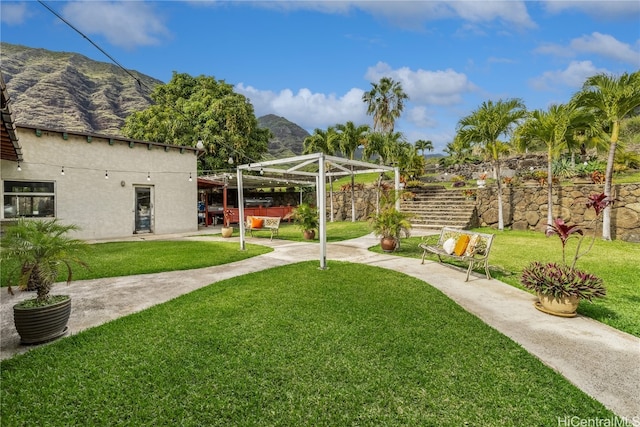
{"type": "Point", "coordinates": [41, 324]}
{"type": "Point", "coordinates": [564, 307]}
{"type": "Point", "coordinates": [226, 231]}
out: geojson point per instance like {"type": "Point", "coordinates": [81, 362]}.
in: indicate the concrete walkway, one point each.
{"type": "Point", "coordinates": [600, 360]}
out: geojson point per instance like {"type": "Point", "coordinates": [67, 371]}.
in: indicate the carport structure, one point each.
{"type": "Point", "coordinates": [313, 170]}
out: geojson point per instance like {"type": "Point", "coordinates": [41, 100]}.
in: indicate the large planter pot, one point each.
{"type": "Point", "coordinates": [41, 324]}
{"type": "Point", "coordinates": [309, 234]}
{"type": "Point", "coordinates": [565, 306]}
{"type": "Point", "coordinates": [226, 231]}
{"type": "Point", "coordinates": [388, 244]}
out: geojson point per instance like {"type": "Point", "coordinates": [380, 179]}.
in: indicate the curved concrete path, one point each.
{"type": "Point", "coordinates": [600, 360]}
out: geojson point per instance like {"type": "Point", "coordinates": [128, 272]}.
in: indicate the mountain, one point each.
{"type": "Point", "coordinates": [287, 138]}
{"type": "Point", "coordinates": [63, 90]}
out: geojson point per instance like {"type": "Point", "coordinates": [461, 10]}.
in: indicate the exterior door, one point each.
{"type": "Point", "coordinates": [144, 210]}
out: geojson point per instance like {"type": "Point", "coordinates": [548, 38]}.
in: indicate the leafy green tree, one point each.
{"type": "Point", "coordinates": [611, 99]}
{"type": "Point", "coordinates": [385, 102]}
{"type": "Point", "coordinates": [485, 126]}
{"type": "Point", "coordinates": [350, 138]}
{"type": "Point", "coordinates": [554, 129]}
{"type": "Point", "coordinates": [189, 109]}
{"type": "Point", "coordinates": [458, 152]}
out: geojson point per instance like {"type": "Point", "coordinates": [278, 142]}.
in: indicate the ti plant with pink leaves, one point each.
{"type": "Point", "coordinates": [560, 280]}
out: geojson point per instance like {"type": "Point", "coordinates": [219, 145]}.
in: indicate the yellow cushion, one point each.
{"type": "Point", "coordinates": [257, 222]}
{"type": "Point", "coordinates": [473, 242]}
{"type": "Point", "coordinates": [461, 244]}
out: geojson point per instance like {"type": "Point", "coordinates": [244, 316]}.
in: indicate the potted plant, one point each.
{"type": "Point", "coordinates": [35, 251]}
{"type": "Point", "coordinates": [306, 217]}
{"type": "Point", "coordinates": [561, 286]}
{"type": "Point", "coordinates": [227, 229]}
{"type": "Point", "coordinates": [482, 180]}
{"type": "Point", "coordinates": [390, 224]}
{"type": "Point", "coordinates": [469, 194]}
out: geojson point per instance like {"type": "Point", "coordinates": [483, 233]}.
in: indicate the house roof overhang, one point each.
{"type": "Point", "coordinates": [10, 148]}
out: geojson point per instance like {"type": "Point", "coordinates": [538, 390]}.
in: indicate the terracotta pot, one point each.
{"type": "Point", "coordinates": [388, 244]}
{"type": "Point", "coordinates": [565, 306]}
{"type": "Point", "coordinates": [226, 231]}
{"type": "Point", "coordinates": [41, 324]}
{"type": "Point", "coordinates": [309, 234]}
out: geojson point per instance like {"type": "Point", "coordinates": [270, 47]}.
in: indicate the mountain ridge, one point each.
{"type": "Point", "coordinates": [66, 90]}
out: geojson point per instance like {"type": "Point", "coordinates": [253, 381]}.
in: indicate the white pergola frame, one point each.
{"type": "Point", "coordinates": [327, 166]}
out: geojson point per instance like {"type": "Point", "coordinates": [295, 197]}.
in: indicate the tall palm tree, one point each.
{"type": "Point", "coordinates": [423, 145]}
{"type": "Point", "coordinates": [611, 99]}
{"type": "Point", "coordinates": [554, 129]}
{"type": "Point", "coordinates": [385, 102]}
{"type": "Point", "coordinates": [485, 126]}
{"type": "Point", "coordinates": [350, 138]}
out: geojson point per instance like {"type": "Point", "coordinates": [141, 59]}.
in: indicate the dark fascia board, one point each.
{"type": "Point", "coordinates": [107, 137]}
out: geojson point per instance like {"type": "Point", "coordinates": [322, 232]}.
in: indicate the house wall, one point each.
{"type": "Point", "coordinates": [104, 208]}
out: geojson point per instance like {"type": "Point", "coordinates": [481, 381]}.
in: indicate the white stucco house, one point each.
{"type": "Point", "coordinates": [110, 187]}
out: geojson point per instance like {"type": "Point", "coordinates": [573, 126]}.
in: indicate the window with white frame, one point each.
{"type": "Point", "coordinates": [29, 199]}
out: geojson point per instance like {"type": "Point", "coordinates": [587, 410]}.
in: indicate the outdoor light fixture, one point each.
{"type": "Point", "coordinates": [148, 176]}
{"type": "Point", "coordinates": [190, 179]}
{"type": "Point", "coordinates": [230, 160]}
{"type": "Point", "coordinates": [19, 168]}
{"type": "Point", "coordinates": [62, 171]}
{"type": "Point", "coordinates": [261, 171]}
{"type": "Point", "coordinates": [199, 144]}
{"type": "Point", "coordinates": [106, 174]}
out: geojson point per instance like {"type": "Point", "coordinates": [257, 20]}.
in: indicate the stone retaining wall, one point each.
{"type": "Point", "coordinates": [525, 207]}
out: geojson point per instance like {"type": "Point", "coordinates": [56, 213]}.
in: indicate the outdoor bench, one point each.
{"type": "Point", "coordinates": [462, 245]}
{"type": "Point", "coordinates": [256, 223]}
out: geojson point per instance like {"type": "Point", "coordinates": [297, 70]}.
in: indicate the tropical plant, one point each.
{"type": "Point", "coordinates": [306, 217]}
{"type": "Point", "coordinates": [389, 222]}
{"type": "Point", "coordinates": [36, 251]}
{"type": "Point", "coordinates": [385, 102]}
{"type": "Point", "coordinates": [484, 127]}
{"type": "Point", "coordinates": [564, 280]}
{"type": "Point", "coordinates": [610, 99]}
{"type": "Point", "coordinates": [422, 145]}
{"type": "Point", "coordinates": [554, 129]}
{"type": "Point", "coordinates": [350, 138]}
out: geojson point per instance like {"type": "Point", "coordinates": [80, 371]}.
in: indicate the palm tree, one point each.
{"type": "Point", "coordinates": [611, 99]}
{"type": "Point", "coordinates": [385, 102]}
{"type": "Point", "coordinates": [485, 126]}
{"type": "Point", "coordinates": [350, 138]}
{"type": "Point", "coordinates": [324, 142]}
{"type": "Point", "coordinates": [423, 145]}
{"type": "Point", "coordinates": [554, 129]}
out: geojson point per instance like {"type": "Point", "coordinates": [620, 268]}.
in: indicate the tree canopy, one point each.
{"type": "Point", "coordinates": [191, 109]}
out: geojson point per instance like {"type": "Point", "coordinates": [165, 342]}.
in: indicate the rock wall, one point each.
{"type": "Point", "coordinates": [525, 207]}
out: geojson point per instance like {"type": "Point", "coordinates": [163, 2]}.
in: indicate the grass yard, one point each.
{"type": "Point", "coordinates": [292, 346]}
{"type": "Point", "coordinates": [128, 258]}
{"type": "Point", "coordinates": [336, 231]}
{"type": "Point", "coordinates": [615, 261]}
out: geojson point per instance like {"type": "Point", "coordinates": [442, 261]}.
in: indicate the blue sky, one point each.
{"type": "Point", "coordinates": [311, 61]}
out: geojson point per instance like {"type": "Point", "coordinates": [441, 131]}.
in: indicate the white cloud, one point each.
{"type": "Point", "coordinates": [413, 14]}
{"type": "Point", "coordinates": [598, 9]}
{"type": "Point", "coordinates": [124, 24]}
{"type": "Point", "coordinates": [308, 110]}
{"type": "Point", "coordinates": [13, 13]}
{"type": "Point", "coordinates": [573, 76]}
{"type": "Point", "coordinates": [441, 87]}
{"type": "Point", "coordinates": [607, 46]}
{"type": "Point", "coordinates": [600, 44]}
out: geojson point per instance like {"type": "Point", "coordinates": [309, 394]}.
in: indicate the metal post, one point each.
{"type": "Point", "coordinates": [241, 210]}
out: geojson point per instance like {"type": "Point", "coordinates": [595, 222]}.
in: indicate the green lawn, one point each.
{"type": "Point", "coordinates": [292, 346]}
{"type": "Point", "coordinates": [615, 261]}
{"type": "Point", "coordinates": [129, 258]}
